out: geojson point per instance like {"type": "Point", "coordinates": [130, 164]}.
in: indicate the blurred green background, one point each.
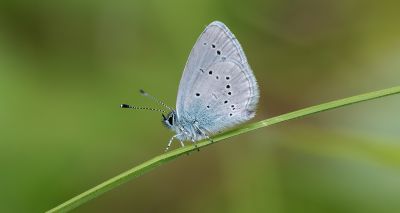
{"type": "Point", "coordinates": [65, 66]}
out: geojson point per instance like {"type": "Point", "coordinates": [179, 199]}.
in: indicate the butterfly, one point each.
{"type": "Point", "coordinates": [217, 91]}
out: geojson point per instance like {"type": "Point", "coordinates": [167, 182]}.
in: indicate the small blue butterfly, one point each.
{"type": "Point", "coordinates": [217, 91]}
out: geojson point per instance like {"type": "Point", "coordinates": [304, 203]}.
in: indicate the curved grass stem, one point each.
{"type": "Point", "coordinates": [163, 158]}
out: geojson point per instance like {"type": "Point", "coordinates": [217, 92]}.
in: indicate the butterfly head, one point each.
{"type": "Point", "coordinates": [170, 120]}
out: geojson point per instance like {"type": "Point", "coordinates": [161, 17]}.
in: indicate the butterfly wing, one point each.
{"type": "Point", "coordinates": [218, 88]}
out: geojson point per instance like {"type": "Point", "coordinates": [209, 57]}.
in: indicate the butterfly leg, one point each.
{"type": "Point", "coordinates": [203, 132]}
{"type": "Point", "coordinates": [189, 136]}
{"type": "Point", "coordinates": [208, 138]}
{"type": "Point", "coordinates": [170, 142]}
{"type": "Point", "coordinates": [186, 133]}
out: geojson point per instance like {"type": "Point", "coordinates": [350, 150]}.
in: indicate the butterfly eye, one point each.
{"type": "Point", "coordinates": [170, 120]}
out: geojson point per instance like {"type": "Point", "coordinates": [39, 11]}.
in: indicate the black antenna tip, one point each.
{"type": "Point", "coordinates": [142, 92]}
{"type": "Point", "coordinates": [125, 106]}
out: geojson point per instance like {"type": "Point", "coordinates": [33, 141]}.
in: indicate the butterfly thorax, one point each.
{"type": "Point", "coordinates": [186, 130]}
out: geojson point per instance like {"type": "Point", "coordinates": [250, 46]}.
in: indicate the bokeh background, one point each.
{"type": "Point", "coordinates": [65, 66]}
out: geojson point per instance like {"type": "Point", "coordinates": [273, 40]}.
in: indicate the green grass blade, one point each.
{"type": "Point", "coordinates": [163, 158]}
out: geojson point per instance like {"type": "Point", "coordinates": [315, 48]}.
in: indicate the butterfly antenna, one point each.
{"type": "Point", "coordinates": [145, 108]}
{"type": "Point", "coordinates": [154, 99]}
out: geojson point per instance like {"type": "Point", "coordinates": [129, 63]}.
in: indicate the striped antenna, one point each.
{"type": "Point", "coordinates": [140, 108]}
{"type": "Point", "coordinates": [154, 99]}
